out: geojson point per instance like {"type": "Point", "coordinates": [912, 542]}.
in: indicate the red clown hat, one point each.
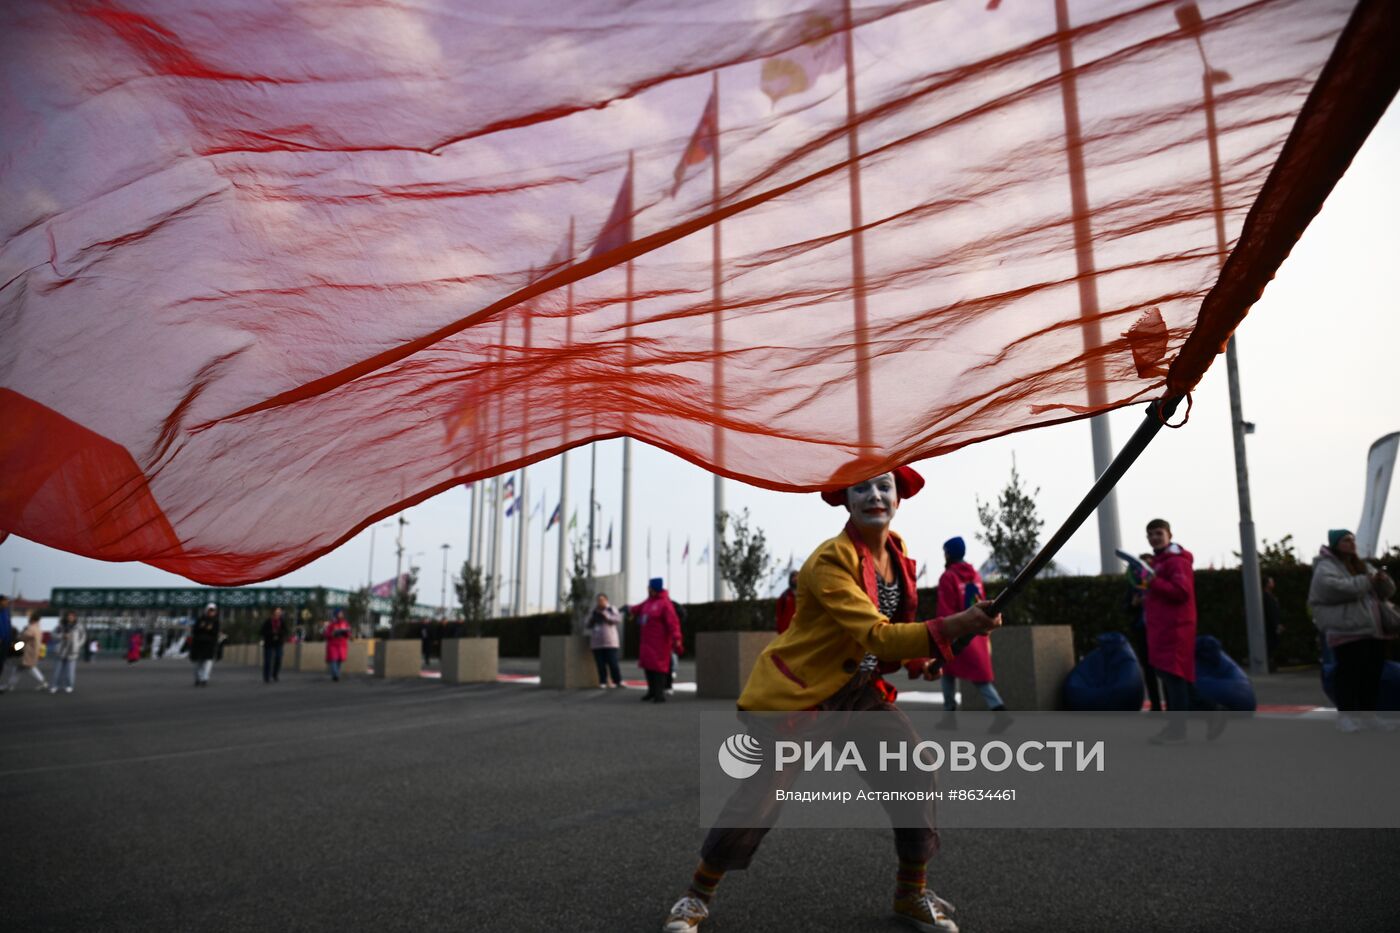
{"type": "Point", "coordinates": [907, 482]}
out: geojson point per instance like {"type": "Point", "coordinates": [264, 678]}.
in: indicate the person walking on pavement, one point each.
{"type": "Point", "coordinates": [857, 619]}
{"type": "Point", "coordinates": [603, 639]}
{"type": "Point", "coordinates": [787, 604]}
{"type": "Point", "coordinates": [274, 638]}
{"type": "Point", "coordinates": [204, 643]}
{"type": "Point", "coordinates": [1346, 600]}
{"type": "Point", "coordinates": [337, 643]}
{"type": "Point", "coordinates": [31, 638]}
{"type": "Point", "coordinates": [660, 633]}
{"type": "Point", "coordinates": [134, 643]}
{"type": "Point", "coordinates": [66, 644]}
{"type": "Point", "coordinates": [1169, 611]}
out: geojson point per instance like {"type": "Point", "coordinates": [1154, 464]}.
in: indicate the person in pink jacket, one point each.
{"type": "Point", "coordinates": [337, 643]}
{"type": "Point", "coordinates": [1169, 612]}
{"type": "Point", "coordinates": [660, 630]}
{"type": "Point", "coordinates": [959, 587]}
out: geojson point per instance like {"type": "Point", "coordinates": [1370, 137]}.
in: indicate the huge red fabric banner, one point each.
{"type": "Point", "coordinates": [272, 269]}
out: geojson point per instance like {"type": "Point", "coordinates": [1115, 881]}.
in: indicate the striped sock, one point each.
{"type": "Point", "coordinates": [909, 881]}
{"type": "Point", "coordinates": [704, 882]}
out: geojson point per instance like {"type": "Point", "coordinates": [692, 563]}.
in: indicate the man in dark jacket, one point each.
{"type": "Point", "coordinates": [274, 636]}
{"type": "Point", "coordinates": [204, 642]}
{"type": "Point", "coordinates": [7, 633]}
{"type": "Point", "coordinates": [1273, 622]}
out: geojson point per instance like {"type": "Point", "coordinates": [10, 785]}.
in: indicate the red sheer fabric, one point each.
{"type": "Point", "coordinates": [270, 269]}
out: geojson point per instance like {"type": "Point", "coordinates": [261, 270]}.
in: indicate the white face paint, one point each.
{"type": "Point", "coordinates": [872, 504]}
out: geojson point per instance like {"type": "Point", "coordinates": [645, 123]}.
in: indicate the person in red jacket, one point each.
{"type": "Point", "coordinates": [338, 637]}
{"type": "Point", "coordinates": [660, 630]}
{"type": "Point", "coordinates": [1169, 612]}
{"type": "Point", "coordinates": [787, 604]}
{"type": "Point", "coordinates": [960, 587]}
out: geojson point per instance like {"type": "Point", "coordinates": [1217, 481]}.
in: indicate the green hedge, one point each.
{"type": "Point", "coordinates": [1089, 605]}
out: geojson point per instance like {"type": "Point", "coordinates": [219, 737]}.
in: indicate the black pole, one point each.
{"type": "Point", "coordinates": [1157, 414]}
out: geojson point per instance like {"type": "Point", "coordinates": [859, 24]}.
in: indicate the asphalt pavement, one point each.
{"type": "Point", "coordinates": [142, 803]}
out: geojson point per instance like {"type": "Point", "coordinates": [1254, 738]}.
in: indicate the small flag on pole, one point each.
{"type": "Point", "coordinates": [701, 146]}
{"type": "Point", "coordinates": [539, 507]}
{"type": "Point", "coordinates": [508, 490]}
{"type": "Point", "coordinates": [704, 555]}
{"type": "Point", "coordinates": [608, 546]}
{"type": "Point", "coordinates": [573, 520]}
{"type": "Point", "coordinates": [555, 517]}
{"type": "Point", "coordinates": [617, 232]}
{"type": "Point", "coordinates": [923, 572]}
{"type": "Point", "coordinates": [795, 70]}
{"type": "Point", "coordinates": [685, 552]}
{"type": "Point", "coordinates": [512, 508]}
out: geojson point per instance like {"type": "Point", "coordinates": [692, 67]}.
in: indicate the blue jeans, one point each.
{"type": "Point", "coordinates": [986, 688]}
{"type": "Point", "coordinates": [272, 662]}
{"type": "Point", "coordinates": [334, 668]}
{"type": "Point", "coordinates": [64, 670]}
{"type": "Point", "coordinates": [1182, 698]}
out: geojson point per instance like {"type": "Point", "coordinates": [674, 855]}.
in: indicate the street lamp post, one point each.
{"type": "Point", "coordinates": [1188, 17]}
{"type": "Point", "coordinates": [369, 577]}
{"type": "Point", "coordinates": [14, 583]}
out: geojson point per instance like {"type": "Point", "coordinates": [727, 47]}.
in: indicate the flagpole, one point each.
{"type": "Point", "coordinates": [544, 535]}
{"type": "Point", "coordinates": [862, 351]}
{"type": "Point", "coordinates": [1100, 439]}
{"type": "Point", "coordinates": [592, 509]}
{"type": "Point", "coordinates": [559, 574]}
{"type": "Point", "coordinates": [627, 439]}
{"type": "Point", "coordinates": [717, 317]}
{"type": "Point", "coordinates": [495, 576]}
{"type": "Point", "coordinates": [471, 522]}
{"type": "Point", "coordinates": [522, 546]}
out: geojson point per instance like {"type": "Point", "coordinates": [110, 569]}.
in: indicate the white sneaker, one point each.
{"type": "Point", "coordinates": [686, 915]}
{"type": "Point", "coordinates": [50, 689]}
{"type": "Point", "coordinates": [67, 689]}
{"type": "Point", "coordinates": [1346, 724]}
{"type": "Point", "coordinates": [926, 911]}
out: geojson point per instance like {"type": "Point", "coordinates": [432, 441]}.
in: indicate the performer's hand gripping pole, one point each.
{"type": "Point", "coordinates": [1157, 415]}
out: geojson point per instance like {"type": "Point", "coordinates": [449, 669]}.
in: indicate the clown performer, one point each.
{"type": "Point", "coordinates": [855, 620]}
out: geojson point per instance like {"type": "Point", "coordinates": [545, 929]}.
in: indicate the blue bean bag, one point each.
{"type": "Point", "coordinates": [1219, 679]}
{"type": "Point", "coordinates": [1108, 678]}
{"type": "Point", "coordinates": [1389, 700]}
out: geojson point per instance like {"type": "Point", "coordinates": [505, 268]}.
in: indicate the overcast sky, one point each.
{"type": "Point", "coordinates": [1318, 372]}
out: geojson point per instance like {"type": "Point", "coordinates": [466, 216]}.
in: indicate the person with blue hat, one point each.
{"type": "Point", "coordinates": [959, 588]}
{"type": "Point", "coordinates": [660, 634]}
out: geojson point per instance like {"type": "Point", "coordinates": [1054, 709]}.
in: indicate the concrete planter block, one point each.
{"type": "Point", "coordinates": [311, 656]}
{"type": "Point", "coordinates": [723, 661]}
{"type": "Point", "coordinates": [397, 657]}
{"type": "Point", "coordinates": [1030, 663]}
{"type": "Point", "coordinates": [470, 660]}
{"type": "Point", "coordinates": [357, 657]}
{"type": "Point", "coordinates": [566, 663]}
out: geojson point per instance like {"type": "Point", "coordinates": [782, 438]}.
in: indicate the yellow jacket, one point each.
{"type": "Point", "coordinates": [836, 625]}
